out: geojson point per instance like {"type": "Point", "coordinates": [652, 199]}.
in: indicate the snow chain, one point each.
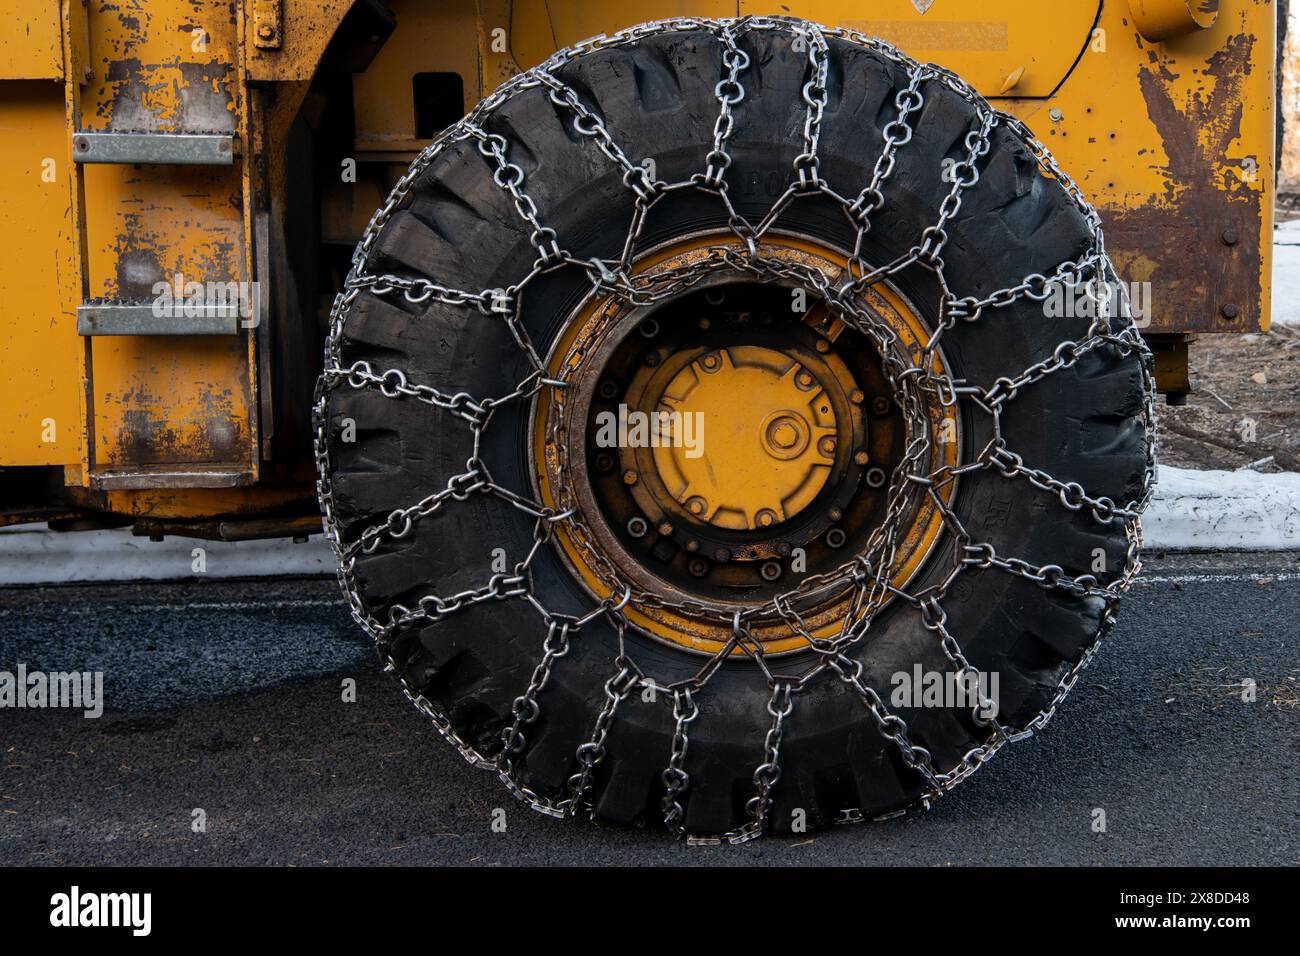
{"type": "Point", "coordinates": [866, 577]}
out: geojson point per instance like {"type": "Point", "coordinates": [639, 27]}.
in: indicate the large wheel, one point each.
{"type": "Point", "coordinates": [846, 266]}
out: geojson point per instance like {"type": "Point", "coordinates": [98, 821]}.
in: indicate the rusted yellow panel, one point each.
{"type": "Point", "coordinates": [1174, 143]}
{"type": "Point", "coordinates": [161, 402]}
{"type": "Point", "coordinates": [31, 42]}
{"type": "Point", "coordinates": [306, 27]}
{"type": "Point", "coordinates": [39, 351]}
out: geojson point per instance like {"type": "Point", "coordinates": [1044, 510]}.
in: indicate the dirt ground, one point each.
{"type": "Point", "coordinates": [1244, 408]}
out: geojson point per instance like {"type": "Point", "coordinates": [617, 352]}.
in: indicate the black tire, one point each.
{"type": "Point", "coordinates": [1084, 423]}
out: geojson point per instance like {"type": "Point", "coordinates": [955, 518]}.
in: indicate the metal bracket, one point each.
{"type": "Point", "coordinates": [181, 149]}
{"type": "Point", "coordinates": [140, 318]}
{"type": "Point", "coordinates": [267, 29]}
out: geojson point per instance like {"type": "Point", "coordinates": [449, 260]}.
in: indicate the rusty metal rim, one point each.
{"type": "Point", "coordinates": [669, 628]}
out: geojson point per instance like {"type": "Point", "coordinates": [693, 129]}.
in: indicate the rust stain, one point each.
{"type": "Point", "coordinates": [1176, 241]}
{"type": "Point", "coordinates": [154, 432]}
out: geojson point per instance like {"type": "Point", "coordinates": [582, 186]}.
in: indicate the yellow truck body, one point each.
{"type": "Point", "coordinates": [242, 144]}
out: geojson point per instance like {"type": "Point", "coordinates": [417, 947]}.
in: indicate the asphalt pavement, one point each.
{"type": "Point", "coordinates": [226, 697]}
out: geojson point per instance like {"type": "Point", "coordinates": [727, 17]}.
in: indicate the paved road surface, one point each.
{"type": "Point", "coordinates": [226, 697]}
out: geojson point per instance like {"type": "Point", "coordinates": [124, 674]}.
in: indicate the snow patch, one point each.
{"type": "Point", "coordinates": [1223, 510]}
{"type": "Point", "coordinates": [1191, 510]}
{"type": "Point", "coordinates": [33, 554]}
{"type": "Point", "coordinates": [1286, 273]}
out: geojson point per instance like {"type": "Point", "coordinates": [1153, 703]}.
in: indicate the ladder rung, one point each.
{"type": "Point", "coordinates": [184, 149]}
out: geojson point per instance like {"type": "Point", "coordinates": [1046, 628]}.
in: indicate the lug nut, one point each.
{"type": "Point", "coordinates": [629, 477]}
{"type": "Point", "coordinates": [862, 458]}
{"type": "Point", "coordinates": [856, 396]}
{"type": "Point", "coordinates": [710, 362]}
{"type": "Point", "coordinates": [804, 379]}
{"type": "Point", "coordinates": [771, 570]}
{"type": "Point", "coordinates": [827, 445]}
{"type": "Point", "coordinates": [637, 527]}
{"type": "Point", "coordinates": [766, 518]}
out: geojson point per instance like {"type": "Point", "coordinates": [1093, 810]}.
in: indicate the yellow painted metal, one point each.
{"type": "Point", "coordinates": [540, 27]}
{"type": "Point", "coordinates": [40, 352]}
{"type": "Point", "coordinates": [161, 405]}
{"type": "Point", "coordinates": [383, 97]}
{"type": "Point", "coordinates": [1160, 20]}
{"type": "Point", "coordinates": [770, 444]}
{"type": "Point", "coordinates": [31, 42]}
{"type": "Point", "coordinates": [1173, 141]}
{"type": "Point", "coordinates": [984, 42]}
{"type": "Point", "coordinates": [306, 28]}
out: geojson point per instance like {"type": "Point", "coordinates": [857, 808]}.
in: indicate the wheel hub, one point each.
{"type": "Point", "coordinates": [718, 448]}
{"type": "Point", "coordinates": [764, 437]}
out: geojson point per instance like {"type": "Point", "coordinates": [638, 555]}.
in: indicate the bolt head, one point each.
{"type": "Point", "coordinates": [629, 477]}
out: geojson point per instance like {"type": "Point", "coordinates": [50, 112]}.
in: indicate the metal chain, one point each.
{"type": "Point", "coordinates": [919, 382]}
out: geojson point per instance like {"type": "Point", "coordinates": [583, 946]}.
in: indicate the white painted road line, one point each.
{"type": "Point", "coordinates": [1147, 580]}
